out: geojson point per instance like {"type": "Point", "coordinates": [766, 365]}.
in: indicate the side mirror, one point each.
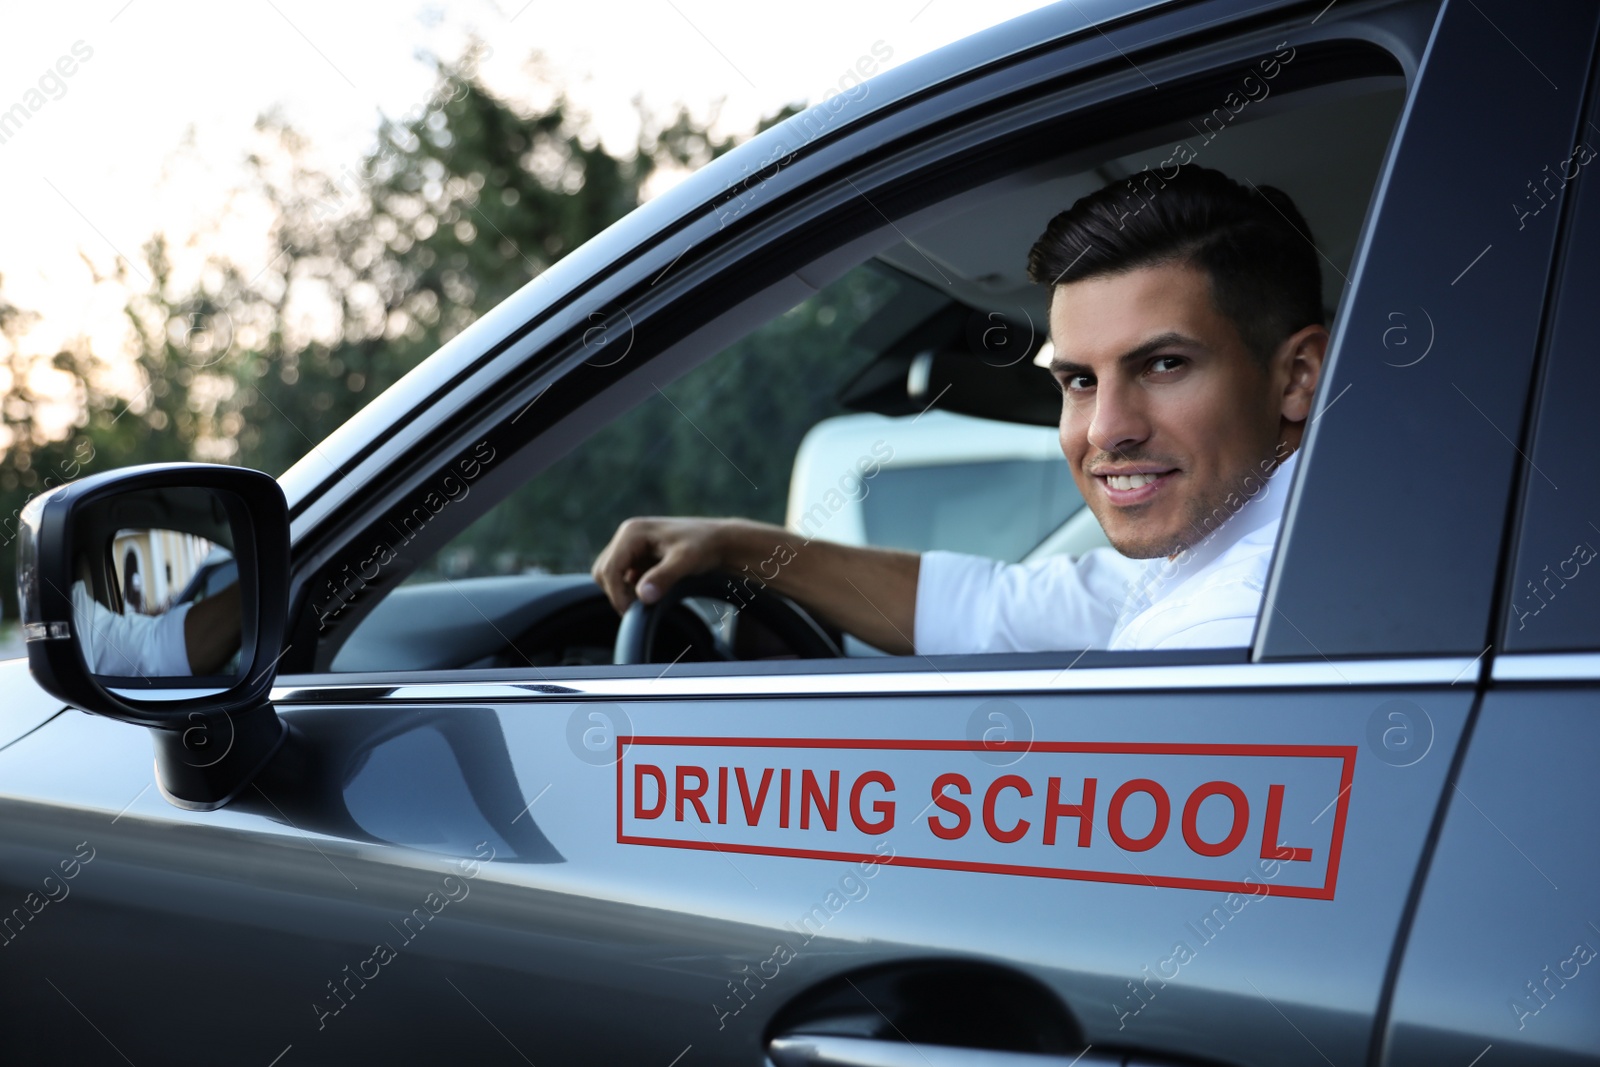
{"type": "Point", "coordinates": [158, 595]}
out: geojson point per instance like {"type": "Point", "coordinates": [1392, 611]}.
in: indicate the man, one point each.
{"type": "Point", "coordinates": [197, 638]}
{"type": "Point", "coordinates": [1186, 318]}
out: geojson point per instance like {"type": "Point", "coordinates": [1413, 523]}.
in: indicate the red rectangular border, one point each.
{"type": "Point", "coordinates": [1344, 753]}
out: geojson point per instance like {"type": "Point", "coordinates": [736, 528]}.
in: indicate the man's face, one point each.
{"type": "Point", "coordinates": [1165, 411]}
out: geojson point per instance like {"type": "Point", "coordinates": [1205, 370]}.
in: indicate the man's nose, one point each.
{"type": "Point", "coordinates": [1119, 419]}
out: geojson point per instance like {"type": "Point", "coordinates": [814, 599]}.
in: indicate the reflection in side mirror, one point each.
{"type": "Point", "coordinates": [435, 781]}
{"type": "Point", "coordinates": [158, 595]}
{"type": "Point", "coordinates": [155, 603]}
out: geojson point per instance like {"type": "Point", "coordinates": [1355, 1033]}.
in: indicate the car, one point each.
{"type": "Point", "coordinates": [940, 480]}
{"type": "Point", "coordinates": [450, 809]}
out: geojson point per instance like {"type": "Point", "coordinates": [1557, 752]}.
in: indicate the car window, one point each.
{"type": "Point", "coordinates": [902, 404]}
{"type": "Point", "coordinates": [721, 440]}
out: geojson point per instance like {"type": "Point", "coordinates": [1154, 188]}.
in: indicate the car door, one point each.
{"type": "Point", "coordinates": [1508, 925]}
{"type": "Point", "coordinates": [1164, 856]}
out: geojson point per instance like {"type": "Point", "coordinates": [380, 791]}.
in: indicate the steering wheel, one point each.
{"type": "Point", "coordinates": [785, 619]}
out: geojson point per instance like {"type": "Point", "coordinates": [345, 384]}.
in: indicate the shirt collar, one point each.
{"type": "Point", "coordinates": [1265, 505]}
{"type": "Point", "coordinates": [1162, 575]}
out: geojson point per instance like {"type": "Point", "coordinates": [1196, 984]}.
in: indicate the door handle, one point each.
{"type": "Point", "coordinates": [824, 1050]}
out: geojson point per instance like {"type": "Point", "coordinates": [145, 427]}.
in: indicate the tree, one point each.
{"type": "Point", "coordinates": [460, 204]}
{"type": "Point", "coordinates": [457, 208]}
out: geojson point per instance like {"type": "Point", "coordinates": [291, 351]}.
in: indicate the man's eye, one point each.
{"type": "Point", "coordinates": [1077, 383]}
{"type": "Point", "coordinates": [1166, 364]}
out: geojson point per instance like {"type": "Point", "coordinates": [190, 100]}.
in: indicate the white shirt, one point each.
{"type": "Point", "coordinates": [1208, 596]}
{"type": "Point", "coordinates": [129, 645]}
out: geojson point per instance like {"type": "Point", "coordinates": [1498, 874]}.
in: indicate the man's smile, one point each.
{"type": "Point", "coordinates": [1133, 485]}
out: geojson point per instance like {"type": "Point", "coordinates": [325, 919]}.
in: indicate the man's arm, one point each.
{"type": "Point", "coordinates": [868, 592]}
{"type": "Point", "coordinates": [128, 645]}
{"type": "Point", "coordinates": [211, 630]}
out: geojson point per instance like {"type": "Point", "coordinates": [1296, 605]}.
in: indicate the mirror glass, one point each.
{"type": "Point", "coordinates": [155, 593]}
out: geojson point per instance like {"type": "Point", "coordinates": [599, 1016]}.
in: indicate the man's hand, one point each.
{"type": "Point", "coordinates": [868, 592]}
{"type": "Point", "coordinates": [646, 557]}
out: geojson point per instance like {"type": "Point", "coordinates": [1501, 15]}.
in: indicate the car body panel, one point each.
{"type": "Point", "coordinates": [564, 897]}
{"type": "Point", "coordinates": [1503, 950]}
{"type": "Point", "coordinates": [1546, 608]}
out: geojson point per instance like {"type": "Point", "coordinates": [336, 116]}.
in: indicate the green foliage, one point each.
{"type": "Point", "coordinates": [453, 211]}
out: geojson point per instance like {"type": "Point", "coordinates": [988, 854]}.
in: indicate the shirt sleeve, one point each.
{"type": "Point", "coordinates": [129, 645]}
{"type": "Point", "coordinates": [971, 604]}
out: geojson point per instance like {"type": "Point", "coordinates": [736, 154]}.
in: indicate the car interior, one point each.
{"type": "Point", "coordinates": [945, 319]}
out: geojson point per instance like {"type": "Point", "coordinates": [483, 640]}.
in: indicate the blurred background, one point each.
{"type": "Point", "coordinates": [229, 227]}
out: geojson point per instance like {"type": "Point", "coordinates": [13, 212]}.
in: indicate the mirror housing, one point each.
{"type": "Point", "coordinates": [212, 733]}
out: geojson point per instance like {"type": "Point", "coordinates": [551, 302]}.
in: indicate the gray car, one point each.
{"type": "Point", "coordinates": [444, 807]}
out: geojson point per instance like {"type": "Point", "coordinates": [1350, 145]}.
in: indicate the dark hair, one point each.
{"type": "Point", "coordinates": [1252, 242]}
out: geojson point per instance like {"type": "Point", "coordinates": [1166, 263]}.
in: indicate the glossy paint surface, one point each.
{"type": "Point", "coordinates": [578, 946]}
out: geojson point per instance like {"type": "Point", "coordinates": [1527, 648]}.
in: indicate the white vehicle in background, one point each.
{"type": "Point", "coordinates": [939, 480]}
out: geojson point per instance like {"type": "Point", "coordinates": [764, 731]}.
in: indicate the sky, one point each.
{"type": "Point", "coordinates": [141, 112]}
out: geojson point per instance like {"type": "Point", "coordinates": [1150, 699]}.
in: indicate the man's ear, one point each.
{"type": "Point", "coordinates": [1298, 365]}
